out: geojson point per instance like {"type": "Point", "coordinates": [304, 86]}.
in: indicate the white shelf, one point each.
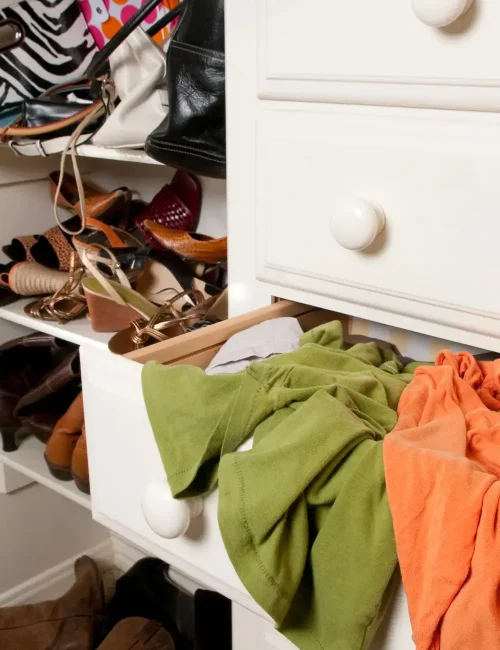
{"type": "Point", "coordinates": [78, 331]}
{"type": "Point", "coordinates": [29, 460]}
{"type": "Point", "coordinates": [122, 155]}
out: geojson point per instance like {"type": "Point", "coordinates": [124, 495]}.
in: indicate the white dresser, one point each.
{"type": "Point", "coordinates": [343, 115]}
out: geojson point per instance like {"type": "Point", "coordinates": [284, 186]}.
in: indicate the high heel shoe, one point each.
{"type": "Point", "coordinates": [192, 246]}
{"type": "Point", "coordinates": [99, 204]}
{"type": "Point", "coordinates": [31, 279]}
{"type": "Point", "coordinates": [53, 248]}
{"type": "Point", "coordinates": [66, 304]}
{"type": "Point", "coordinates": [113, 304]}
{"type": "Point", "coordinates": [176, 206]}
{"type": "Point", "coordinates": [170, 321]}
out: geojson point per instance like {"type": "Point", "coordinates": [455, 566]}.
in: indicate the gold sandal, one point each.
{"type": "Point", "coordinates": [169, 321]}
{"type": "Point", "coordinates": [66, 304]}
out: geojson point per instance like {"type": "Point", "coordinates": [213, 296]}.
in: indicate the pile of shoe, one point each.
{"type": "Point", "coordinates": [137, 267]}
{"type": "Point", "coordinates": [147, 612]}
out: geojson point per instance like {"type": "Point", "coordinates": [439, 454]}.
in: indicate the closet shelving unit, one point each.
{"type": "Point", "coordinates": [28, 459]}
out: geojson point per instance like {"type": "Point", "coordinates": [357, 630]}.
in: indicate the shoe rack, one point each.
{"type": "Point", "coordinates": [26, 209]}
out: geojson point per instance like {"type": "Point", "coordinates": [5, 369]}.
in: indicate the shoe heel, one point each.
{"type": "Point", "coordinates": [82, 484]}
{"type": "Point", "coordinates": [60, 473]}
{"type": "Point", "coordinates": [11, 438]}
{"type": "Point", "coordinates": [108, 316]}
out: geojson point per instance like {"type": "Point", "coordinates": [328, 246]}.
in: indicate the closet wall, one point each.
{"type": "Point", "coordinates": [40, 529]}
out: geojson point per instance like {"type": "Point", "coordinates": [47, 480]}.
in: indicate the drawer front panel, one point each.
{"type": "Point", "coordinates": [434, 174]}
{"type": "Point", "coordinates": [124, 459]}
{"type": "Point", "coordinates": [379, 53]}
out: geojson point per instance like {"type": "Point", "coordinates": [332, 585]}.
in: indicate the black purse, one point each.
{"type": "Point", "coordinates": [193, 135]}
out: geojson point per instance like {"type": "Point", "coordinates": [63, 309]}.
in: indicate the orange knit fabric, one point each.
{"type": "Point", "coordinates": [442, 464]}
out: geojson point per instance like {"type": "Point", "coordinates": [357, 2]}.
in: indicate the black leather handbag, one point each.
{"type": "Point", "coordinates": [193, 135]}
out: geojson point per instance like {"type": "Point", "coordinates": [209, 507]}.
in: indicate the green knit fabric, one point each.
{"type": "Point", "coordinates": [304, 514]}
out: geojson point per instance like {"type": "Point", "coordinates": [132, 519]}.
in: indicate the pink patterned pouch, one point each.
{"type": "Point", "coordinates": [106, 17]}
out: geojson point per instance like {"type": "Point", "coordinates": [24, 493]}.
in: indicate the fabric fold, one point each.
{"type": "Point", "coordinates": [304, 514]}
{"type": "Point", "coordinates": [442, 465]}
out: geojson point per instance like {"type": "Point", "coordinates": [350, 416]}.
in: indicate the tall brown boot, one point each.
{"type": "Point", "coordinates": [138, 634]}
{"type": "Point", "coordinates": [80, 464]}
{"type": "Point", "coordinates": [62, 442]}
{"type": "Point", "coordinates": [65, 624]}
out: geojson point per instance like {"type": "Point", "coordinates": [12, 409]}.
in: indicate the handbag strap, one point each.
{"type": "Point", "coordinates": [99, 63]}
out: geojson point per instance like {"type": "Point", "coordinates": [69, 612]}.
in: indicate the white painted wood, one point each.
{"type": "Point", "coordinates": [432, 174]}
{"type": "Point", "coordinates": [251, 631]}
{"type": "Point", "coordinates": [41, 529]}
{"type": "Point", "coordinates": [55, 581]}
{"type": "Point", "coordinates": [117, 423]}
{"type": "Point", "coordinates": [12, 480]}
{"type": "Point", "coordinates": [365, 52]}
{"type": "Point", "coordinates": [78, 331]}
{"type": "Point", "coordinates": [29, 460]}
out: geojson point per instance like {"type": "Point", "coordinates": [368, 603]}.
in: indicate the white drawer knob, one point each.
{"type": "Point", "coordinates": [439, 13]}
{"type": "Point", "coordinates": [355, 223]}
{"type": "Point", "coordinates": [166, 516]}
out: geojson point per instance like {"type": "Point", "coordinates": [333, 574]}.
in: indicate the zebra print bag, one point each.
{"type": "Point", "coordinates": [54, 47]}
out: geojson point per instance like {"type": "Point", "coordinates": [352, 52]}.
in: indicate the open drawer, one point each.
{"type": "Point", "coordinates": [128, 480]}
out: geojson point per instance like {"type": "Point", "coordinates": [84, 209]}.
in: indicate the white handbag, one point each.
{"type": "Point", "coordinates": [138, 71]}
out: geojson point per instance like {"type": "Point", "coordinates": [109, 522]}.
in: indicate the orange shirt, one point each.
{"type": "Point", "coordinates": [442, 464]}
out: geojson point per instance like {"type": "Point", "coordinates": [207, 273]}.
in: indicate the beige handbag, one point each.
{"type": "Point", "coordinates": [138, 70]}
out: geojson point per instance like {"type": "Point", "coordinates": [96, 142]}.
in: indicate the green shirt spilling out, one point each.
{"type": "Point", "coordinates": [304, 514]}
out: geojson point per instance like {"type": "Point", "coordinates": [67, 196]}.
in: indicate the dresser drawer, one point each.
{"type": "Point", "coordinates": [366, 52]}
{"type": "Point", "coordinates": [321, 173]}
{"type": "Point", "coordinates": [130, 494]}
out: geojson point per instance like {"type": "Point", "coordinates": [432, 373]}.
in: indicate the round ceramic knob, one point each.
{"type": "Point", "coordinates": [355, 223]}
{"type": "Point", "coordinates": [166, 516]}
{"type": "Point", "coordinates": [439, 13]}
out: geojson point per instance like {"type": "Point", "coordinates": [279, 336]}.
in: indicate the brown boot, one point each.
{"type": "Point", "coordinates": [63, 624]}
{"type": "Point", "coordinates": [138, 634]}
{"type": "Point", "coordinates": [80, 464]}
{"type": "Point", "coordinates": [62, 442]}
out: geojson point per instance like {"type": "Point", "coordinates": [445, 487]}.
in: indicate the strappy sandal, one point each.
{"type": "Point", "coordinates": [170, 321]}
{"type": "Point", "coordinates": [66, 304]}
{"type": "Point", "coordinates": [99, 235]}
{"type": "Point", "coordinates": [112, 303]}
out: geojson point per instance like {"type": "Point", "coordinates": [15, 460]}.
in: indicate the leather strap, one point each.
{"type": "Point", "coordinates": [31, 131]}
{"type": "Point", "coordinates": [44, 148]}
{"type": "Point", "coordinates": [97, 67]}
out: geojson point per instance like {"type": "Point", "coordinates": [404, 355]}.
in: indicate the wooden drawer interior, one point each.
{"type": "Point", "coordinates": [198, 348]}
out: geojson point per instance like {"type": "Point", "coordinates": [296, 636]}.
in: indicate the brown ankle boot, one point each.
{"type": "Point", "coordinates": [64, 624]}
{"type": "Point", "coordinates": [62, 442]}
{"type": "Point", "coordinates": [80, 464]}
{"type": "Point", "coordinates": [138, 634]}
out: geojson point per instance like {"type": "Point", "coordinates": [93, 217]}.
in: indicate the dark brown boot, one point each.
{"type": "Point", "coordinates": [138, 634]}
{"type": "Point", "coordinates": [65, 624]}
